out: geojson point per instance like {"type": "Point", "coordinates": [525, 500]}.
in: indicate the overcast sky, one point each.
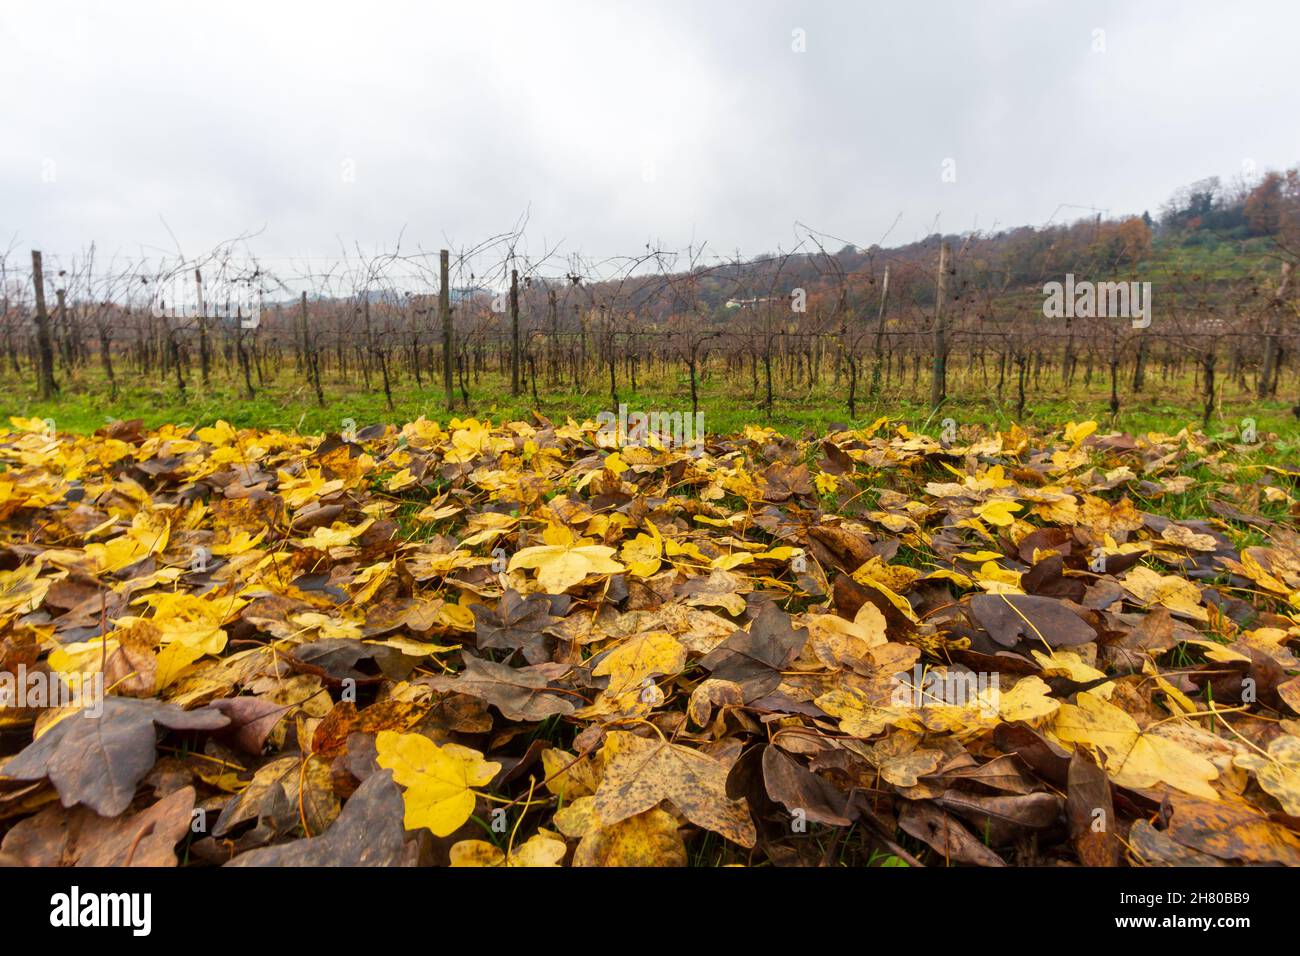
{"type": "Point", "coordinates": [616, 124]}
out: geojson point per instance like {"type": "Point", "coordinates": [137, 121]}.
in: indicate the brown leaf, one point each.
{"type": "Point", "coordinates": [284, 794]}
{"type": "Point", "coordinates": [517, 624]}
{"type": "Point", "coordinates": [1011, 618]}
{"type": "Point", "coordinates": [1231, 832]}
{"type": "Point", "coordinates": [58, 836]}
{"type": "Point", "coordinates": [1000, 819]}
{"type": "Point", "coordinates": [251, 720]}
{"type": "Point", "coordinates": [369, 832]}
{"type": "Point", "coordinates": [1154, 847]}
{"type": "Point", "coordinates": [98, 761]}
{"type": "Point", "coordinates": [800, 789]}
{"type": "Point", "coordinates": [344, 719]}
{"type": "Point", "coordinates": [520, 693]}
{"type": "Point", "coordinates": [754, 658]}
{"type": "Point", "coordinates": [1092, 812]}
{"type": "Point", "coordinates": [952, 841]}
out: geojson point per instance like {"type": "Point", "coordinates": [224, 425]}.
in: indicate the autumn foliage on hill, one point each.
{"type": "Point", "coordinates": [520, 644]}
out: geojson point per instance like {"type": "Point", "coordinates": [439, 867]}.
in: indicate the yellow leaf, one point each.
{"type": "Point", "coordinates": [640, 773]}
{"type": "Point", "coordinates": [999, 512]}
{"type": "Point", "coordinates": [858, 716]}
{"type": "Point", "coordinates": [340, 535]}
{"type": "Point", "coordinates": [1028, 700]}
{"type": "Point", "coordinates": [1177, 594]}
{"type": "Point", "coordinates": [567, 776]}
{"type": "Point", "coordinates": [1075, 434]}
{"type": "Point", "coordinates": [1133, 758]}
{"type": "Point", "coordinates": [240, 542]}
{"type": "Point", "coordinates": [560, 567]}
{"type": "Point", "coordinates": [725, 562]}
{"type": "Point", "coordinates": [1278, 772]}
{"type": "Point", "coordinates": [642, 656]}
{"type": "Point", "coordinates": [646, 839]}
{"type": "Point", "coordinates": [998, 580]}
{"type": "Point", "coordinates": [539, 850]}
{"type": "Point", "coordinates": [1063, 663]}
{"type": "Point", "coordinates": [401, 480]}
{"type": "Point", "coordinates": [643, 555]}
{"type": "Point", "coordinates": [438, 781]}
{"type": "Point", "coordinates": [980, 557]}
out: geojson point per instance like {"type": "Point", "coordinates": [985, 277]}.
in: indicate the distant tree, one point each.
{"type": "Point", "coordinates": [1118, 243]}
{"type": "Point", "coordinates": [1264, 205]}
{"type": "Point", "coordinates": [1191, 205]}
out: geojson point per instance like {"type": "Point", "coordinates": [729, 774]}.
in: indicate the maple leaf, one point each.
{"type": "Point", "coordinates": [183, 643]}
{"type": "Point", "coordinates": [520, 693]}
{"type": "Point", "coordinates": [862, 714]}
{"type": "Point", "coordinates": [827, 483]}
{"type": "Point", "coordinates": [999, 512]}
{"type": "Point", "coordinates": [646, 655]}
{"type": "Point", "coordinates": [1028, 700]}
{"type": "Point", "coordinates": [754, 658]}
{"type": "Point", "coordinates": [99, 760]}
{"type": "Point", "coordinates": [902, 760]}
{"type": "Point", "coordinates": [438, 781]}
{"type": "Point", "coordinates": [652, 838]}
{"type": "Point", "coordinates": [643, 554]}
{"type": "Point", "coordinates": [1133, 758]}
{"type": "Point", "coordinates": [516, 623]}
{"type": "Point", "coordinates": [22, 590]}
{"type": "Point", "coordinates": [1179, 595]}
{"type": "Point", "coordinates": [640, 774]}
{"type": "Point", "coordinates": [1075, 434]}
{"type": "Point", "coordinates": [368, 832]}
{"type": "Point", "coordinates": [561, 566]}
{"type": "Point", "coordinates": [841, 643]}
{"type": "Point", "coordinates": [312, 485]}
{"type": "Point", "coordinates": [337, 536]}
{"type": "Point", "coordinates": [719, 589]}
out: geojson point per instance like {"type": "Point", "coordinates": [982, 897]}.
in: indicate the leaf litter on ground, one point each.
{"type": "Point", "coordinates": [519, 645]}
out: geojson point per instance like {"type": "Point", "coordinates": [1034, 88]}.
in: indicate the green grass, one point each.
{"type": "Point", "coordinates": [1212, 259]}
{"type": "Point", "coordinates": [729, 404]}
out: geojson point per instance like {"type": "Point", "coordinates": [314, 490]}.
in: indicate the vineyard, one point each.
{"type": "Point", "coordinates": [948, 326]}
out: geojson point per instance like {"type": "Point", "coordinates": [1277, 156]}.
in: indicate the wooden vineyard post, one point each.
{"type": "Point", "coordinates": [444, 311]}
{"type": "Point", "coordinates": [45, 352]}
{"type": "Point", "coordinates": [514, 331]}
{"type": "Point", "coordinates": [880, 335]}
{"type": "Point", "coordinates": [939, 375]}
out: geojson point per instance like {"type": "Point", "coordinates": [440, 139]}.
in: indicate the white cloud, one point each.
{"type": "Point", "coordinates": [456, 118]}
